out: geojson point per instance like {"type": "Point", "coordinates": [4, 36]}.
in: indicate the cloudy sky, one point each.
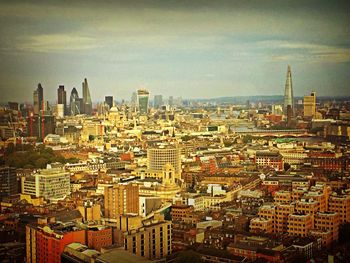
{"type": "Point", "coordinates": [193, 49]}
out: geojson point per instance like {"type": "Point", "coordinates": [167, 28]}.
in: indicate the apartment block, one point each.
{"type": "Point", "coordinates": [152, 240]}
{"type": "Point", "coordinates": [299, 224]}
{"type": "Point", "coordinates": [121, 199]}
{"type": "Point", "coordinates": [341, 205]}
{"type": "Point", "coordinates": [328, 221]}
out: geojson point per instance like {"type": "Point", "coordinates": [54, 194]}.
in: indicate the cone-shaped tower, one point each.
{"type": "Point", "coordinates": [288, 92]}
{"type": "Point", "coordinates": [87, 98]}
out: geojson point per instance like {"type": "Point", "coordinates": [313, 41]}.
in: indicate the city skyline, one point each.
{"type": "Point", "coordinates": [200, 49]}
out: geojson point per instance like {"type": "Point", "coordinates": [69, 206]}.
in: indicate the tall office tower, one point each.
{"type": "Point", "coordinates": [121, 199]}
{"type": "Point", "coordinates": [109, 101]}
{"type": "Point", "coordinates": [143, 96]}
{"type": "Point", "coordinates": [171, 101]}
{"type": "Point", "coordinates": [133, 100]}
{"type": "Point", "coordinates": [62, 98]}
{"type": "Point", "coordinates": [158, 157]}
{"type": "Point", "coordinates": [51, 184]}
{"type": "Point", "coordinates": [158, 101]}
{"type": "Point", "coordinates": [288, 92]}
{"type": "Point", "coordinates": [38, 96]}
{"type": "Point", "coordinates": [75, 107]}
{"type": "Point", "coordinates": [87, 98]}
{"type": "Point", "coordinates": [8, 181]}
{"type": "Point", "coordinates": [310, 105]}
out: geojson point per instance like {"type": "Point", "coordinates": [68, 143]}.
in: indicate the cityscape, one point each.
{"type": "Point", "coordinates": [217, 168]}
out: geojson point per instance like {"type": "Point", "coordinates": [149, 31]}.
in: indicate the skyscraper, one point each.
{"type": "Point", "coordinates": [86, 98]}
{"type": "Point", "coordinates": [143, 96]}
{"type": "Point", "coordinates": [75, 104]}
{"type": "Point", "coordinates": [38, 97]}
{"type": "Point", "coordinates": [310, 105]}
{"type": "Point", "coordinates": [109, 101]}
{"type": "Point", "coordinates": [62, 98]}
{"type": "Point", "coordinates": [158, 101]}
{"type": "Point", "coordinates": [288, 93]}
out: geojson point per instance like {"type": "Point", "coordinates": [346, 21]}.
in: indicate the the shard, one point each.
{"type": "Point", "coordinates": [288, 93]}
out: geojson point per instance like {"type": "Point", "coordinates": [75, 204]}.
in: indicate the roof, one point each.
{"type": "Point", "coordinates": [66, 216]}
{"type": "Point", "coordinates": [121, 256]}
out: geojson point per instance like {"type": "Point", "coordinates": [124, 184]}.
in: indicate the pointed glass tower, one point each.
{"type": "Point", "coordinates": [288, 93]}
{"type": "Point", "coordinates": [87, 98]}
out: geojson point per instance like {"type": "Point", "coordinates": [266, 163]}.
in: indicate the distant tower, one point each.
{"type": "Point", "coordinates": [288, 93]}
{"type": "Point", "coordinates": [143, 96]}
{"type": "Point", "coordinates": [62, 98]}
{"type": "Point", "coordinates": [87, 103]}
{"type": "Point", "coordinates": [74, 101]}
{"type": "Point", "coordinates": [109, 101]}
{"type": "Point", "coordinates": [38, 97]}
{"type": "Point", "coordinates": [158, 101]}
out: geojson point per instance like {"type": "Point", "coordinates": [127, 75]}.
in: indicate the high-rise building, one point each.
{"type": "Point", "coordinates": [158, 157]}
{"type": "Point", "coordinates": [86, 98]}
{"type": "Point", "coordinates": [143, 96]}
{"type": "Point", "coordinates": [41, 125]}
{"type": "Point", "coordinates": [75, 103]}
{"type": "Point", "coordinates": [121, 199]}
{"type": "Point", "coordinates": [310, 105]}
{"type": "Point", "coordinates": [109, 101]}
{"type": "Point", "coordinates": [158, 101]}
{"type": "Point", "coordinates": [8, 181]}
{"type": "Point", "coordinates": [48, 183]}
{"type": "Point", "coordinates": [62, 98]}
{"type": "Point", "coordinates": [171, 101]}
{"type": "Point", "coordinates": [38, 97]}
{"type": "Point", "coordinates": [288, 92]}
{"type": "Point", "coordinates": [133, 101]}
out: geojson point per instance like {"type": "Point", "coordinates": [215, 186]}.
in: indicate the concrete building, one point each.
{"type": "Point", "coordinates": [157, 157]}
{"type": "Point", "coordinates": [52, 184]}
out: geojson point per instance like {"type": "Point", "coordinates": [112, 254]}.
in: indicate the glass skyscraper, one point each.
{"type": "Point", "coordinates": [143, 96]}
{"type": "Point", "coordinates": [288, 93]}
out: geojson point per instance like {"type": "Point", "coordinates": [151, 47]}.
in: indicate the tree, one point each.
{"type": "Point", "coordinates": [41, 162]}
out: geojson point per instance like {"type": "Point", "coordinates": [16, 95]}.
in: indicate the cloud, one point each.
{"type": "Point", "coordinates": [56, 43]}
{"type": "Point", "coordinates": [308, 52]}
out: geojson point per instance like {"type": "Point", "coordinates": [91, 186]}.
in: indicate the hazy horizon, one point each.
{"type": "Point", "coordinates": [192, 49]}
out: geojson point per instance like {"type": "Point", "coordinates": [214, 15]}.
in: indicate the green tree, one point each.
{"type": "Point", "coordinates": [41, 162]}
